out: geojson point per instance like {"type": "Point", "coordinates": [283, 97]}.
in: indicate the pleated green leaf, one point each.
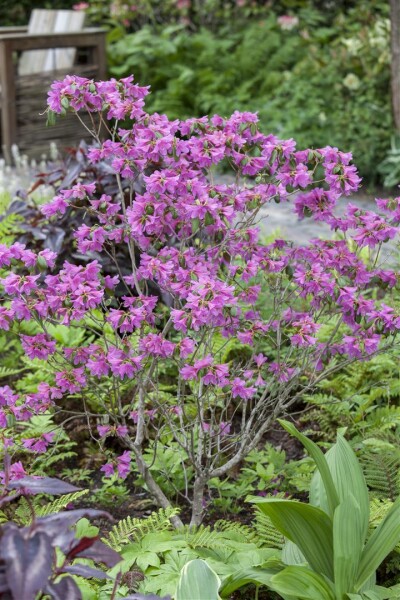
{"type": "Point", "coordinates": [348, 478]}
{"type": "Point", "coordinates": [317, 455]}
{"type": "Point", "coordinates": [291, 555]}
{"type": "Point", "coordinates": [307, 526]}
{"type": "Point", "coordinates": [302, 583]}
{"type": "Point", "coordinates": [347, 545]}
{"type": "Point", "coordinates": [197, 580]}
{"type": "Point", "coordinates": [385, 537]}
{"type": "Point", "coordinates": [242, 577]}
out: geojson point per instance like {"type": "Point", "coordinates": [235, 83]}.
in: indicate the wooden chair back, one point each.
{"type": "Point", "coordinates": [44, 21]}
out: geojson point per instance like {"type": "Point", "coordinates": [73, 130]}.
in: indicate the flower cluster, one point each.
{"type": "Point", "coordinates": [198, 272]}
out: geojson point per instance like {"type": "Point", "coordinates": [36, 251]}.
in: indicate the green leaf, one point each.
{"type": "Point", "coordinates": [84, 528]}
{"type": "Point", "coordinates": [243, 577]}
{"type": "Point", "coordinates": [317, 455]}
{"type": "Point", "coordinates": [308, 527]}
{"type": "Point", "coordinates": [347, 544]}
{"type": "Point", "coordinates": [197, 580]}
{"type": "Point", "coordinates": [51, 118]}
{"type": "Point", "coordinates": [291, 555]}
{"type": "Point", "coordinates": [302, 583]}
{"type": "Point", "coordinates": [385, 537]}
{"type": "Point", "coordinates": [348, 480]}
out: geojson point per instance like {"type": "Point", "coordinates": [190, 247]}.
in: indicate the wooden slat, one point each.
{"type": "Point", "coordinates": [88, 38]}
{"type": "Point", "coordinates": [66, 21]}
{"type": "Point", "coordinates": [41, 21]}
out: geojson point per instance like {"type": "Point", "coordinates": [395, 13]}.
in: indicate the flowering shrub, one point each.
{"type": "Point", "coordinates": [199, 241]}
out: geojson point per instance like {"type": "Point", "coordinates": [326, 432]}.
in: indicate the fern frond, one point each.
{"type": "Point", "coordinates": [266, 531]}
{"type": "Point", "coordinates": [5, 201]}
{"type": "Point", "coordinates": [9, 227]}
{"type": "Point", "coordinates": [3, 517]}
{"type": "Point", "coordinates": [381, 471]}
{"type": "Point", "coordinates": [23, 512]}
{"type": "Point", "coordinates": [60, 503]}
{"type": "Point", "coordinates": [133, 529]}
{"type": "Point", "coordinates": [223, 534]}
{"type": "Point", "coordinates": [6, 372]}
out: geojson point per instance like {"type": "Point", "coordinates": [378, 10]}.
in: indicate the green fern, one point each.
{"type": "Point", "coordinates": [381, 470]}
{"type": "Point", "coordinates": [133, 529]}
{"type": "Point", "coordinates": [9, 228]}
{"type": "Point", "coordinates": [23, 512]}
{"type": "Point", "coordinates": [223, 534]}
{"type": "Point", "coordinates": [60, 503]}
{"type": "Point", "coordinates": [3, 517]}
{"type": "Point", "coordinates": [266, 531]}
{"type": "Point", "coordinates": [6, 372]}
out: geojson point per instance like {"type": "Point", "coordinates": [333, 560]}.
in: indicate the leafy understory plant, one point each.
{"type": "Point", "coordinates": [45, 557]}
{"type": "Point", "coordinates": [329, 553]}
{"type": "Point", "coordinates": [186, 269]}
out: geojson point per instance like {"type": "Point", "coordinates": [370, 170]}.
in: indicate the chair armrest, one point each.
{"type": "Point", "coordinates": [88, 38]}
{"type": "Point", "coordinates": [10, 29]}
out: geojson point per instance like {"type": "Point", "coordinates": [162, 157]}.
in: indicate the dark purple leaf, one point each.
{"type": "Point", "coordinates": [86, 571]}
{"type": "Point", "coordinates": [28, 562]}
{"type": "Point", "coordinates": [65, 589]}
{"type": "Point", "coordinates": [43, 485]}
{"type": "Point", "coordinates": [80, 546]}
{"type": "Point", "coordinates": [3, 580]}
{"type": "Point", "coordinates": [57, 526]}
{"type": "Point", "coordinates": [101, 553]}
{"type": "Point", "coordinates": [54, 239]}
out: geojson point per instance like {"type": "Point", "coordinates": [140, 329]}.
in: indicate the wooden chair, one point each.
{"type": "Point", "coordinates": [53, 45]}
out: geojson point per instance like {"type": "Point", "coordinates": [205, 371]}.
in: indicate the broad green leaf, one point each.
{"type": "Point", "coordinates": [243, 577]}
{"type": "Point", "coordinates": [197, 580]}
{"type": "Point", "coordinates": [317, 455]}
{"type": "Point", "coordinates": [385, 537]}
{"type": "Point", "coordinates": [308, 527]}
{"type": "Point", "coordinates": [302, 583]}
{"type": "Point", "coordinates": [348, 479]}
{"type": "Point", "coordinates": [291, 555]}
{"type": "Point", "coordinates": [347, 544]}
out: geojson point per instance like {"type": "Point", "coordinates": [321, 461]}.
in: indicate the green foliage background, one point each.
{"type": "Point", "coordinates": [324, 82]}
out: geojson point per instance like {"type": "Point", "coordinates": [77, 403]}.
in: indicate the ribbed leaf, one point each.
{"type": "Point", "coordinates": [347, 544]}
{"type": "Point", "coordinates": [291, 555]}
{"type": "Point", "coordinates": [302, 583]}
{"type": "Point", "coordinates": [348, 479]}
{"type": "Point", "coordinates": [307, 526]}
{"type": "Point", "coordinates": [385, 537]}
{"type": "Point", "coordinates": [197, 580]}
{"type": "Point", "coordinates": [240, 578]}
{"type": "Point", "coordinates": [317, 455]}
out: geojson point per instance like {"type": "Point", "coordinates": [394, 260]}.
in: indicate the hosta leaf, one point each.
{"type": "Point", "coordinates": [385, 537]}
{"type": "Point", "coordinates": [317, 455]}
{"type": "Point", "coordinates": [307, 526]}
{"type": "Point", "coordinates": [302, 583]}
{"type": "Point", "coordinates": [347, 544]}
{"type": "Point", "coordinates": [197, 580]}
